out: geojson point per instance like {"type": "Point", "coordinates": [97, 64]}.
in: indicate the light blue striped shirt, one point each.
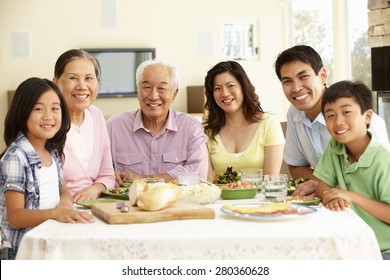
{"type": "Point", "coordinates": [306, 141]}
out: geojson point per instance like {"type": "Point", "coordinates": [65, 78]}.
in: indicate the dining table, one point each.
{"type": "Point", "coordinates": [321, 235]}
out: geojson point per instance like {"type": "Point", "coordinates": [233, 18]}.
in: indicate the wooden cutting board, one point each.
{"type": "Point", "coordinates": [180, 210]}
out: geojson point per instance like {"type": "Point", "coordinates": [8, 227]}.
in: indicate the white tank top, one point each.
{"type": "Point", "coordinates": [49, 188]}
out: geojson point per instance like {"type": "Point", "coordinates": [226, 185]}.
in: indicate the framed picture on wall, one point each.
{"type": "Point", "coordinates": [239, 40]}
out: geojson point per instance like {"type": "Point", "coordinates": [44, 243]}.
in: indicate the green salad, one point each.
{"type": "Point", "coordinates": [296, 182]}
{"type": "Point", "coordinates": [229, 176]}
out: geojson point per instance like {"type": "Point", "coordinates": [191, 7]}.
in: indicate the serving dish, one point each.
{"type": "Point", "coordinates": [126, 184]}
{"type": "Point", "coordinates": [302, 200]}
{"type": "Point", "coordinates": [295, 211]}
{"type": "Point", "coordinates": [89, 203]}
{"type": "Point", "coordinates": [239, 193]}
{"type": "Point", "coordinates": [119, 193]}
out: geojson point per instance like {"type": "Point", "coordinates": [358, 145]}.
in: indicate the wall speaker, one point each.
{"type": "Point", "coordinates": [108, 13]}
{"type": "Point", "coordinates": [380, 67]}
{"type": "Point", "coordinates": [21, 44]}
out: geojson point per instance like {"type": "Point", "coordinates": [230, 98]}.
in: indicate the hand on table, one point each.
{"type": "Point", "coordinates": [306, 188]}
{"type": "Point", "coordinates": [337, 204]}
{"type": "Point", "coordinates": [125, 176]}
{"type": "Point", "coordinates": [337, 199]}
{"type": "Point", "coordinates": [336, 192]}
{"type": "Point", "coordinates": [72, 216]}
{"type": "Point", "coordinates": [90, 193]}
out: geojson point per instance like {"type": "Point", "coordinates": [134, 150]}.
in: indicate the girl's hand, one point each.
{"type": "Point", "coordinates": [72, 216]}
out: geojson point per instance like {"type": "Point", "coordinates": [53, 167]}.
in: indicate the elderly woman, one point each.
{"type": "Point", "coordinates": [155, 140]}
{"type": "Point", "coordinates": [87, 165]}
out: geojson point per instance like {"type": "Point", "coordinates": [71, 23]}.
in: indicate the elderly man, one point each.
{"type": "Point", "coordinates": [155, 140]}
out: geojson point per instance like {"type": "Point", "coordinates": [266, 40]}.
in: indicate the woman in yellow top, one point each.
{"type": "Point", "coordinates": [240, 133]}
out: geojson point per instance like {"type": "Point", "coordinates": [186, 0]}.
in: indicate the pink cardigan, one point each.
{"type": "Point", "coordinates": [100, 168]}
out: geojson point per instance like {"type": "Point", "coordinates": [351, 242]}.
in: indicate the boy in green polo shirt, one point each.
{"type": "Point", "coordinates": [354, 170]}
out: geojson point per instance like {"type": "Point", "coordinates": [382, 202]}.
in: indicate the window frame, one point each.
{"type": "Point", "coordinates": [341, 40]}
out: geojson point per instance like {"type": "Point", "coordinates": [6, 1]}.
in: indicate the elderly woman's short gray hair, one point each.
{"type": "Point", "coordinates": [172, 69]}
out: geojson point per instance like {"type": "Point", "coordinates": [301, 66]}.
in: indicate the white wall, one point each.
{"type": "Point", "coordinates": [170, 26]}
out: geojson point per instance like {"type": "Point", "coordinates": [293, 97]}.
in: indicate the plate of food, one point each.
{"type": "Point", "coordinates": [119, 193]}
{"type": "Point", "coordinates": [296, 199]}
{"type": "Point", "coordinates": [126, 184]}
{"type": "Point", "coordinates": [89, 203]}
{"type": "Point", "coordinates": [268, 211]}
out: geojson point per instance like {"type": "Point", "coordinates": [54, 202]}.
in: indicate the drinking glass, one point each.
{"type": "Point", "coordinates": [254, 176]}
{"type": "Point", "coordinates": [275, 185]}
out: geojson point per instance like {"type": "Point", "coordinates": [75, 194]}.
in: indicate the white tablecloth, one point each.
{"type": "Point", "coordinates": [323, 235]}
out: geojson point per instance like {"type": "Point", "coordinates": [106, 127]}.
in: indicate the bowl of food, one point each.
{"type": "Point", "coordinates": [238, 190]}
{"type": "Point", "coordinates": [203, 193]}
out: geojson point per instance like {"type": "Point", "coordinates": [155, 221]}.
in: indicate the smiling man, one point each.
{"type": "Point", "coordinates": [156, 140]}
{"type": "Point", "coordinates": [303, 78]}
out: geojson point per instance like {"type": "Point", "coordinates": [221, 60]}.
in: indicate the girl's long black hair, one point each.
{"type": "Point", "coordinates": [25, 98]}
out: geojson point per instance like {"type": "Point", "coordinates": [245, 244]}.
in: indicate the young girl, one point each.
{"type": "Point", "coordinates": [31, 183]}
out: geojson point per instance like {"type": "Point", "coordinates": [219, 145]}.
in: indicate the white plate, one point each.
{"type": "Point", "coordinates": [303, 211]}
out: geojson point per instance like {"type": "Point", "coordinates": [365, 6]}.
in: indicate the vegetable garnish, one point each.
{"type": "Point", "coordinates": [228, 177]}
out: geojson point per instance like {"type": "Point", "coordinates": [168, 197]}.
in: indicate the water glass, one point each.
{"type": "Point", "coordinates": [189, 179]}
{"type": "Point", "coordinates": [275, 185]}
{"type": "Point", "coordinates": [254, 176]}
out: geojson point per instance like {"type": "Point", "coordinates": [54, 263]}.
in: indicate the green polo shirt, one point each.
{"type": "Point", "coordinates": [369, 176]}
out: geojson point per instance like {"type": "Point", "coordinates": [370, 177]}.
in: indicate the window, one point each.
{"type": "Point", "coordinates": [358, 38]}
{"type": "Point", "coordinates": [312, 25]}
{"type": "Point", "coordinates": [344, 49]}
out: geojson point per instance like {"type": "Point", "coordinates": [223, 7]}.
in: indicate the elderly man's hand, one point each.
{"type": "Point", "coordinates": [125, 176]}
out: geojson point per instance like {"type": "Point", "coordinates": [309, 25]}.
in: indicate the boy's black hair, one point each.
{"type": "Point", "coordinates": [349, 89]}
{"type": "Point", "coordinates": [357, 90]}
